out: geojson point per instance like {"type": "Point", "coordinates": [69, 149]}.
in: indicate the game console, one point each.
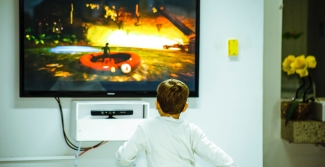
{"type": "Point", "coordinates": [106, 120]}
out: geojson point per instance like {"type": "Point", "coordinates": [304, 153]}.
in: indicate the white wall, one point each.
{"type": "Point", "coordinates": [229, 109]}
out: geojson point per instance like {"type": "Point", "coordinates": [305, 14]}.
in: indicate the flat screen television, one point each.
{"type": "Point", "coordinates": [107, 48]}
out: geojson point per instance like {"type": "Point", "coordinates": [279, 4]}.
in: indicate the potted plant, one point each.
{"type": "Point", "coordinates": [296, 109]}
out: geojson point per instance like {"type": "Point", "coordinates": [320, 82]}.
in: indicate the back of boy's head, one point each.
{"type": "Point", "coordinates": [172, 95]}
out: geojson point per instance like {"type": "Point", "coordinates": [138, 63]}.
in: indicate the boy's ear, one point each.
{"type": "Point", "coordinates": [157, 105]}
{"type": "Point", "coordinates": [185, 107]}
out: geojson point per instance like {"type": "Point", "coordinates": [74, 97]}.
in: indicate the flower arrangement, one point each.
{"type": "Point", "coordinates": [299, 65]}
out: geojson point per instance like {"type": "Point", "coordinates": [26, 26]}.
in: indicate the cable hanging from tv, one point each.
{"type": "Point", "coordinates": [68, 142]}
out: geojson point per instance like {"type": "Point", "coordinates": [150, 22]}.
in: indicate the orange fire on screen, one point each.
{"type": "Point", "coordinates": [138, 37]}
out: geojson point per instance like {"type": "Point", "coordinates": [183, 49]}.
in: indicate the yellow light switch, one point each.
{"type": "Point", "coordinates": [233, 47]}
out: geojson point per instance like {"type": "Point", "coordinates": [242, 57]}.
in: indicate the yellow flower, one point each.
{"type": "Point", "coordinates": [299, 64]}
{"type": "Point", "coordinates": [311, 61]}
{"type": "Point", "coordinates": [302, 72]}
{"type": "Point", "coordinates": [286, 64]}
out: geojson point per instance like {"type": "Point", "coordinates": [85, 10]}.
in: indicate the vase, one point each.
{"type": "Point", "coordinates": [302, 112]}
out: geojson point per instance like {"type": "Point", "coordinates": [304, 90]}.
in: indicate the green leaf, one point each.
{"type": "Point", "coordinates": [291, 109]}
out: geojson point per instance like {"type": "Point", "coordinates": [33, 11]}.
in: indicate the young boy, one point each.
{"type": "Point", "coordinates": [169, 141]}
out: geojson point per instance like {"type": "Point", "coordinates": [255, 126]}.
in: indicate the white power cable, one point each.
{"type": "Point", "coordinates": [77, 155]}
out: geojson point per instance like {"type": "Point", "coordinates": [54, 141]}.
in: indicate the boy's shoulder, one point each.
{"type": "Point", "coordinates": [160, 120]}
{"type": "Point", "coordinates": [152, 120]}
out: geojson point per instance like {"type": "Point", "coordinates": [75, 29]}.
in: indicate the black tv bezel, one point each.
{"type": "Point", "coordinates": [97, 94]}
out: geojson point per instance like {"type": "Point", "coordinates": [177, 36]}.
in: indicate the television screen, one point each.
{"type": "Point", "coordinates": [107, 48]}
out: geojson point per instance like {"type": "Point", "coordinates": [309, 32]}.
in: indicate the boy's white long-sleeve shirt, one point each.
{"type": "Point", "coordinates": [170, 142]}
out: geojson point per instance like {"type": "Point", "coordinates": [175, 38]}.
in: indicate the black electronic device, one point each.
{"type": "Point", "coordinates": [73, 48]}
{"type": "Point", "coordinates": [110, 113]}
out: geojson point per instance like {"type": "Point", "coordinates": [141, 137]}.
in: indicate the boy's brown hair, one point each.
{"type": "Point", "coordinates": [172, 95]}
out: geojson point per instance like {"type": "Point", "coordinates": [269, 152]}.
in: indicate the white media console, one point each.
{"type": "Point", "coordinates": [88, 127]}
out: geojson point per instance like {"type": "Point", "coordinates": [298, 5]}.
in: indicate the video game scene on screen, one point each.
{"type": "Point", "coordinates": [108, 41]}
